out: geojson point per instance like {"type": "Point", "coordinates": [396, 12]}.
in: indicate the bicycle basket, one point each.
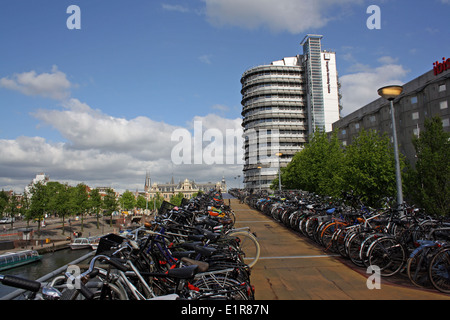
{"type": "Point", "coordinates": [107, 242]}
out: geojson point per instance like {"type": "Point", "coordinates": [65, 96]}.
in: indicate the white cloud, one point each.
{"type": "Point", "coordinates": [86, 128]}
{"type": "Point", "coordinates": [360, 88]}
{"type": "Point", "coordinates": [387, 60]}
{"type": "Point", "coordinates": [295, 16]}
{"type": "Point", "coordinates": [220, 107]}
{"type": "Point", "coordinates": [206, 58]}
{"type": "Point", "coordinates": [52, 85]}
{"type": "Point", "coordinates": [102, 150]}
{"type": "Point", "coordinates": [178, 8]}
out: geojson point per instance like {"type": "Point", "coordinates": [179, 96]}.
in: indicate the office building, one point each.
{"type": "Point", "coordinates": [283, 103]}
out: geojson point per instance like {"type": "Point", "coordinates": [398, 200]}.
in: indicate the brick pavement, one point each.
{"type": "Point", "coordinates": [292, 267]}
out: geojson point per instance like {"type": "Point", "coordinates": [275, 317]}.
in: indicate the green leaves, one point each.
{"type": "Point", "coordinates": [428, 183]}
{"type": "Point", "coordinates": [366, 167]}
{"type": "Point", "coordinates": [369, 167]}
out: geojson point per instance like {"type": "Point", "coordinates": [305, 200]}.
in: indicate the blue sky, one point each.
{"type": "Point", "coordinates": [96, 105]}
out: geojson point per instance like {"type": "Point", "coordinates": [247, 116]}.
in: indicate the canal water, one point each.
{"type": "Point", "coordinates": [48, 263]}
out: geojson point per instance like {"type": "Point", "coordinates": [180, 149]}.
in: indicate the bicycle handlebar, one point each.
{"type": "Point", "coordinates": [20, 283]}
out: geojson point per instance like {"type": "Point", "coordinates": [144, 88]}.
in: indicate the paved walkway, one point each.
{"type": "Point", "coordinates": [292, 267]}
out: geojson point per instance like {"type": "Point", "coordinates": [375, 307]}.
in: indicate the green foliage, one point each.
{"type": "Point", "coordinates": [4, 200]}
{"type": "Point", "coordinates": [369, 167]}
{"type": "Point", "coordinates": [128, 200]}
{"type": "Point", "coordinates": [317, 168]}
{"type": "Point", "coordinates": [428, 184]}
{"type": "Point", "coordinates": [176, 199]}
{"type": "Point", "coordinates": [156, 202]}
{"type": "Point", "coordinates": [95, 204]}
{"type": "Point", "coordinates": [366, 167]}
{"type": "Point", "coordinates": [110, 203]}
{"type": "Point", "coordinates": [39, 203]}
{"type": "Point", "coordinates": [141, 202]}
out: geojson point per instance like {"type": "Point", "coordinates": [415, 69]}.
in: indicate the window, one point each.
{"type": "Point", "coordinates": [414, 100]}
{"type": "Point", "coordinates": [445, 122]}
{"type": "Point", "coordinates": [443, 105]}
{"type": "Point", "coordinates": [442, 87]}
{"type": "Point", "coordinates": [415, 116]}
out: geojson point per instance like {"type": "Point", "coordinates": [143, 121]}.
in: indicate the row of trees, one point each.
{"type": "Point", "coordinates": [64, 201]}
{"type": "Point", "coordinates": [367, 167]}
{"type": "Point", "coordinates": [128, 201]}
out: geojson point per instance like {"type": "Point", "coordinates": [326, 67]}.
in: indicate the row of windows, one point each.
{"type": "Point", "coordinates": [414, 116]}
{"type": "Point", "coordinates": [280, 122]}
{"type": "Point", "coordinates": [274, 109]}
{"type": "Point", "coordinates": [293, 73]}
{"type": "Point", "coordinates": [274, 97]}
{"type": "Point", "coordinates": [278, 72]}
{"type": "Point", "coordinates": [281, 85]}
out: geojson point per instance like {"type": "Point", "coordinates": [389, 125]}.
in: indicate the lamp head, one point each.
{"type": "Point", "coordinates": [390, 92]}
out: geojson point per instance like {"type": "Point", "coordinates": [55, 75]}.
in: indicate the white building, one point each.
{"type": "Point", "coordinates": [40, 178]}
{"type": "Point", "coordinates": [282, 105]}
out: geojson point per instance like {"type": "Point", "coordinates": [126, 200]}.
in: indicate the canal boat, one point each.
{"type": "Point", "coordinates": [80, 243]}
{"type": "Point", "coordinates": [94, 243]}
{"type": "Point", "coordinates": [11, 260]}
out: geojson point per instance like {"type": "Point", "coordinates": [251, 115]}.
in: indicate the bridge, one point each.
{"type": "Point", "coordinates": [291, 267]}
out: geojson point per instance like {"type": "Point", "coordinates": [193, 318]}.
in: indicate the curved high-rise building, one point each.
{"type": "Point", "coordinates": [282, 104]}
{"type": "Point", "coordinates": [273, 101]}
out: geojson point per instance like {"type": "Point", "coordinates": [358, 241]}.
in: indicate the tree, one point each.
{"type": "Point", "coordinates": [80, 198]}
{"type": "Point", "coordinates": [110, 204]}
{"type": "Point", "coordinates": [369, 167]}
{"type": "Point", "coordinates": [14, 208]}
{"type": "Point", "coordinates": [156, 202]}
{"type": "Point", "coordinates": [176, 199]}
{"type": "Point", "coordinates": [39, 204]}
{"type": "Point", "coordinates": [25, 206]}
{"type": "Point", "coordinates": [4, 200]}
{"type": "Point", "coordinates": [128, 200]}
{"type": "Point", "coordinates": [141, 202]}
{"type": "Point", "coordinates": [95, 203]}
{"type": "Point", "coordinates": [429, 183]}
{"type": "Point", "coordinates": [64, 203]}
{"type": "Point", "coordinates": [317, 168]}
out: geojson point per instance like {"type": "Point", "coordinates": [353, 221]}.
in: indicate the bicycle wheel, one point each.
{"type": "Point", "coordinates": [340, 241]}
{"type": "Point", "coordinates": [439, 270]}
{"type": "Point", "coordinates": [419, 262]}
{"type": "Point", "coordinates": [354, 247]}
{"type": "Point", "coordinates": [388, 254]}
{"type": "Point", "coordinates": [222, 287]}
{"type": "Point", "coordinates": [328, 233]}
{"type": "Point", "coordinates": [248, 245]}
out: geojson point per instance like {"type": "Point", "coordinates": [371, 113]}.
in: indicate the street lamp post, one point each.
{"type": "Point", "coordinates": [259, 182]}
{"type": "Point", "coordinates": [279, 154]}
{"type": "Point", "coordinates": [390, 93]}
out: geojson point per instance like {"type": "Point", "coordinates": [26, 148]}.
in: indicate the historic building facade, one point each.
{"type": "Point", "coordinates": [187, 187]}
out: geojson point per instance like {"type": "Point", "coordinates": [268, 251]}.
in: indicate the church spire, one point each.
{"type": "Point", "coordinates": [148, 182]}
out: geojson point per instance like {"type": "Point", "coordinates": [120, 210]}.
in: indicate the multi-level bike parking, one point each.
{"type": "Point", "coordinates": [394, 240]}
{"type": "Point", "coordinates": [190, 252]}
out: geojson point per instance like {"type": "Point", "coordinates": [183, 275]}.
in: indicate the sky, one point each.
{"type": "Point", "coordinates": [106, 103]}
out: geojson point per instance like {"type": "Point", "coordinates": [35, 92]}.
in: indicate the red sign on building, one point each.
{"type": "Point", "coordinates": [439, 67]}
